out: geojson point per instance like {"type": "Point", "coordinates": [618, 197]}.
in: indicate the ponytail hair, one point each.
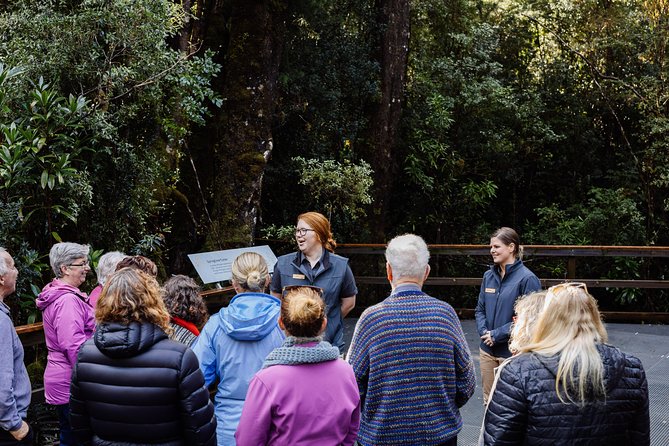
{"type": "Point", "coordinates": [249, 271]}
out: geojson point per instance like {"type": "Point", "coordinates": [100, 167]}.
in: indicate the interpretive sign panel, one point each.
{"type": "Point", "coordinates": [216, 266]}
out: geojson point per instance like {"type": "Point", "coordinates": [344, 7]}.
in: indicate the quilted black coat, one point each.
{"type": "Point", "coordinates": [134, 386]}
{"type": "Point", "coordinates": [525, 409]}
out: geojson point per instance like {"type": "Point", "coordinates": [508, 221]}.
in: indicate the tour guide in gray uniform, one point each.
{"type": "Point", "coordinates": [316, 264]}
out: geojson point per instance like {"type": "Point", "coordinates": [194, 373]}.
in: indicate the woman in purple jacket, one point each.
{"type": "Point", "coordinates": [304, 392]}
{"type": "Point", "coordinates": [68, 322]}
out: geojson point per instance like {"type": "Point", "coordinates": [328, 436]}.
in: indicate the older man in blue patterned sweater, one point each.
{"type": "Point", "coordinates": [410, 358]}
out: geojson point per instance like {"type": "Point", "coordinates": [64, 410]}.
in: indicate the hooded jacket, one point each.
{"type": "Point", "coordinates": [525, 409]}
{"type": "Point", "coordinates": [232, 347]}
{"type": "Point", "coordinates": [134, 386]}
{"type": "Point", "coordinates": [68, 323]}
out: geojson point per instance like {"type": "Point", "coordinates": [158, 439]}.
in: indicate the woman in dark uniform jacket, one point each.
{"type": "Point", "coordinates": [506, 280]}
{"type": "Point", "coordinates": [316, 264]}
{"type": "Point", "coordinates": [131, 384]}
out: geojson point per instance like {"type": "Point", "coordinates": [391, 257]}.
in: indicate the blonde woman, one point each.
{"type": "Point", "coordinates": [303, 377]}
{"type": "Point", "coordinates": [567, 386]}
{"type": "Point", "coordinates": [234, 342]}
{"type": "Point", "coordinates": [132, 385]}
{"type": "Point", "coordinates": [528, 309]}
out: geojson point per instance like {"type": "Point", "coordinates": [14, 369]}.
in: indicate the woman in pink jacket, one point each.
{"type": "Point", "coordinates": [305, 394]}
{"type": "Point", "coordinates": [68, 322]}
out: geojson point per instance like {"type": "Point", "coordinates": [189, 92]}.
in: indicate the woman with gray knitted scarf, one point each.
{"type": "Point", "coordinates": [303, 377]}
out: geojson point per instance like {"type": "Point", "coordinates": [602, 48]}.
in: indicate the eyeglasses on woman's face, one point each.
{"type": "Point", "coordinates": [302, 231]}
{"type": "Point", "coordinates": [82, 264]}
{"type": "Point", "coordinates": [288, 288]}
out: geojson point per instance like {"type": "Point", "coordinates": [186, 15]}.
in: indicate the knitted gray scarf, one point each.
{"type": "Point", "coordinates": [291, 353]}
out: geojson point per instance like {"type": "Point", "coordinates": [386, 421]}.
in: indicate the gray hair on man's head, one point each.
{"type": "Point", "coordinates": [4, 268]}
{"type": "Point", "coordinates": [107, 265]}
{"type": "Point", "coordinates": [63, 254]}
{"type": "Point", "coordinates": [408, 256]}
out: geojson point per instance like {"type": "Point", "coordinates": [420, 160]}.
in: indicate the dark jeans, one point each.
{"type": "Point", "coordinates": [66, 435]}
{"type": "Point", "coordinates": [6, 438]}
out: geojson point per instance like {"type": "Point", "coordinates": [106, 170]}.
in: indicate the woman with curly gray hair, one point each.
{"type": "Point", "coordinates": [188, 312]}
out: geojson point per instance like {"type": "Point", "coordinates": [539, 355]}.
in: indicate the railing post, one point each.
{"type": "Point", "coordinates": [571, 268]}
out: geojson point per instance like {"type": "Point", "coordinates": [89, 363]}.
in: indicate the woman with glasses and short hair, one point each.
{"type": "Point", "coordinates": [303, 377]}
{"type": "Point", "coordinates": [234, 342]}
{"type": "Point", "coordinates": [68, 323]}
{"type": "Point", "coordinates": [567, 386]}
{"type": "Point", "coordinates": [506, 280]}
{"type": "Point", "coordinates": [316, 264]}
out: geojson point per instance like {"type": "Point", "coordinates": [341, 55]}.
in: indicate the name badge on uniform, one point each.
{"type": "Point", "coordinates": [487, 290]}
{"type": "Point", "coordinates": [299, 276]}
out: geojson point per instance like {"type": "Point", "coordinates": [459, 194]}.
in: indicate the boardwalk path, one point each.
{"type": "Point", "coordinates": [650, 343]}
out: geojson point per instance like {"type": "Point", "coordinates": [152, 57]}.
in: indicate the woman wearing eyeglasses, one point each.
{"type": "Point", "coordinates": [234, 342]}
{"type": "Point", "coordinates": [305, 394]}
{"type": "Point", "coordinates": [507, 279]}
{"type": "Point", "coordinates": [68, 322]}
{"type": "Point", "coordinates": [567, 386]}
{"type": "Point", "coordinates": [316, 264]}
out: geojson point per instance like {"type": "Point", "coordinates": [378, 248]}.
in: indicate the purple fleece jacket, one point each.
{"type": "Point", "coordinates": [68, 323]}
{"type": "Point", "coordinates": [302, 404]}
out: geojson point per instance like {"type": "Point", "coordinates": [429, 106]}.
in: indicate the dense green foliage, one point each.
{"type": "Point", "coordinates": [94, 116]}
{"type": "Point", "coordinates": [548, 117]}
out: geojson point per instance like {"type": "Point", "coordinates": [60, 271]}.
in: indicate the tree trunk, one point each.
{"type": "Point", "coordinates": [251, 69]}
{"type": "Point", "coordinates": [394, 24]}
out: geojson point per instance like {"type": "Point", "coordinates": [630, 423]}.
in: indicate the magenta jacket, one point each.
{"type": "Point", "coordinates": [68, 322]}
{"type": "Point", "coordinates": [302, 404]}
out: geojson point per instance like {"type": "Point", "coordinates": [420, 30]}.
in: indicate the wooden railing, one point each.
{"type": "Point", "coordinates": [533, 252]}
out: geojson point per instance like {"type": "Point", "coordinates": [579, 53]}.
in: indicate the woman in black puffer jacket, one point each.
{"type": "Point", "coordinates": [132, 385]}
{"type": "Point", "coordinates": [567, 387]}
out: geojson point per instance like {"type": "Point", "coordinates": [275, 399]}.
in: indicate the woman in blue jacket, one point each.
{"type": "Point", "coordinates": [506, 280]}
{"type": "Point", "coordinates": [235, 342]}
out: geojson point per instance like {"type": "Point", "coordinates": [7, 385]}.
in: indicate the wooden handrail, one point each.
{"type": "Point", "coordinates": [476, 281]}
{"type": "Point", "coordinates": [33, 334]}
{"type": "Point", "coordinates": [530, 250]}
